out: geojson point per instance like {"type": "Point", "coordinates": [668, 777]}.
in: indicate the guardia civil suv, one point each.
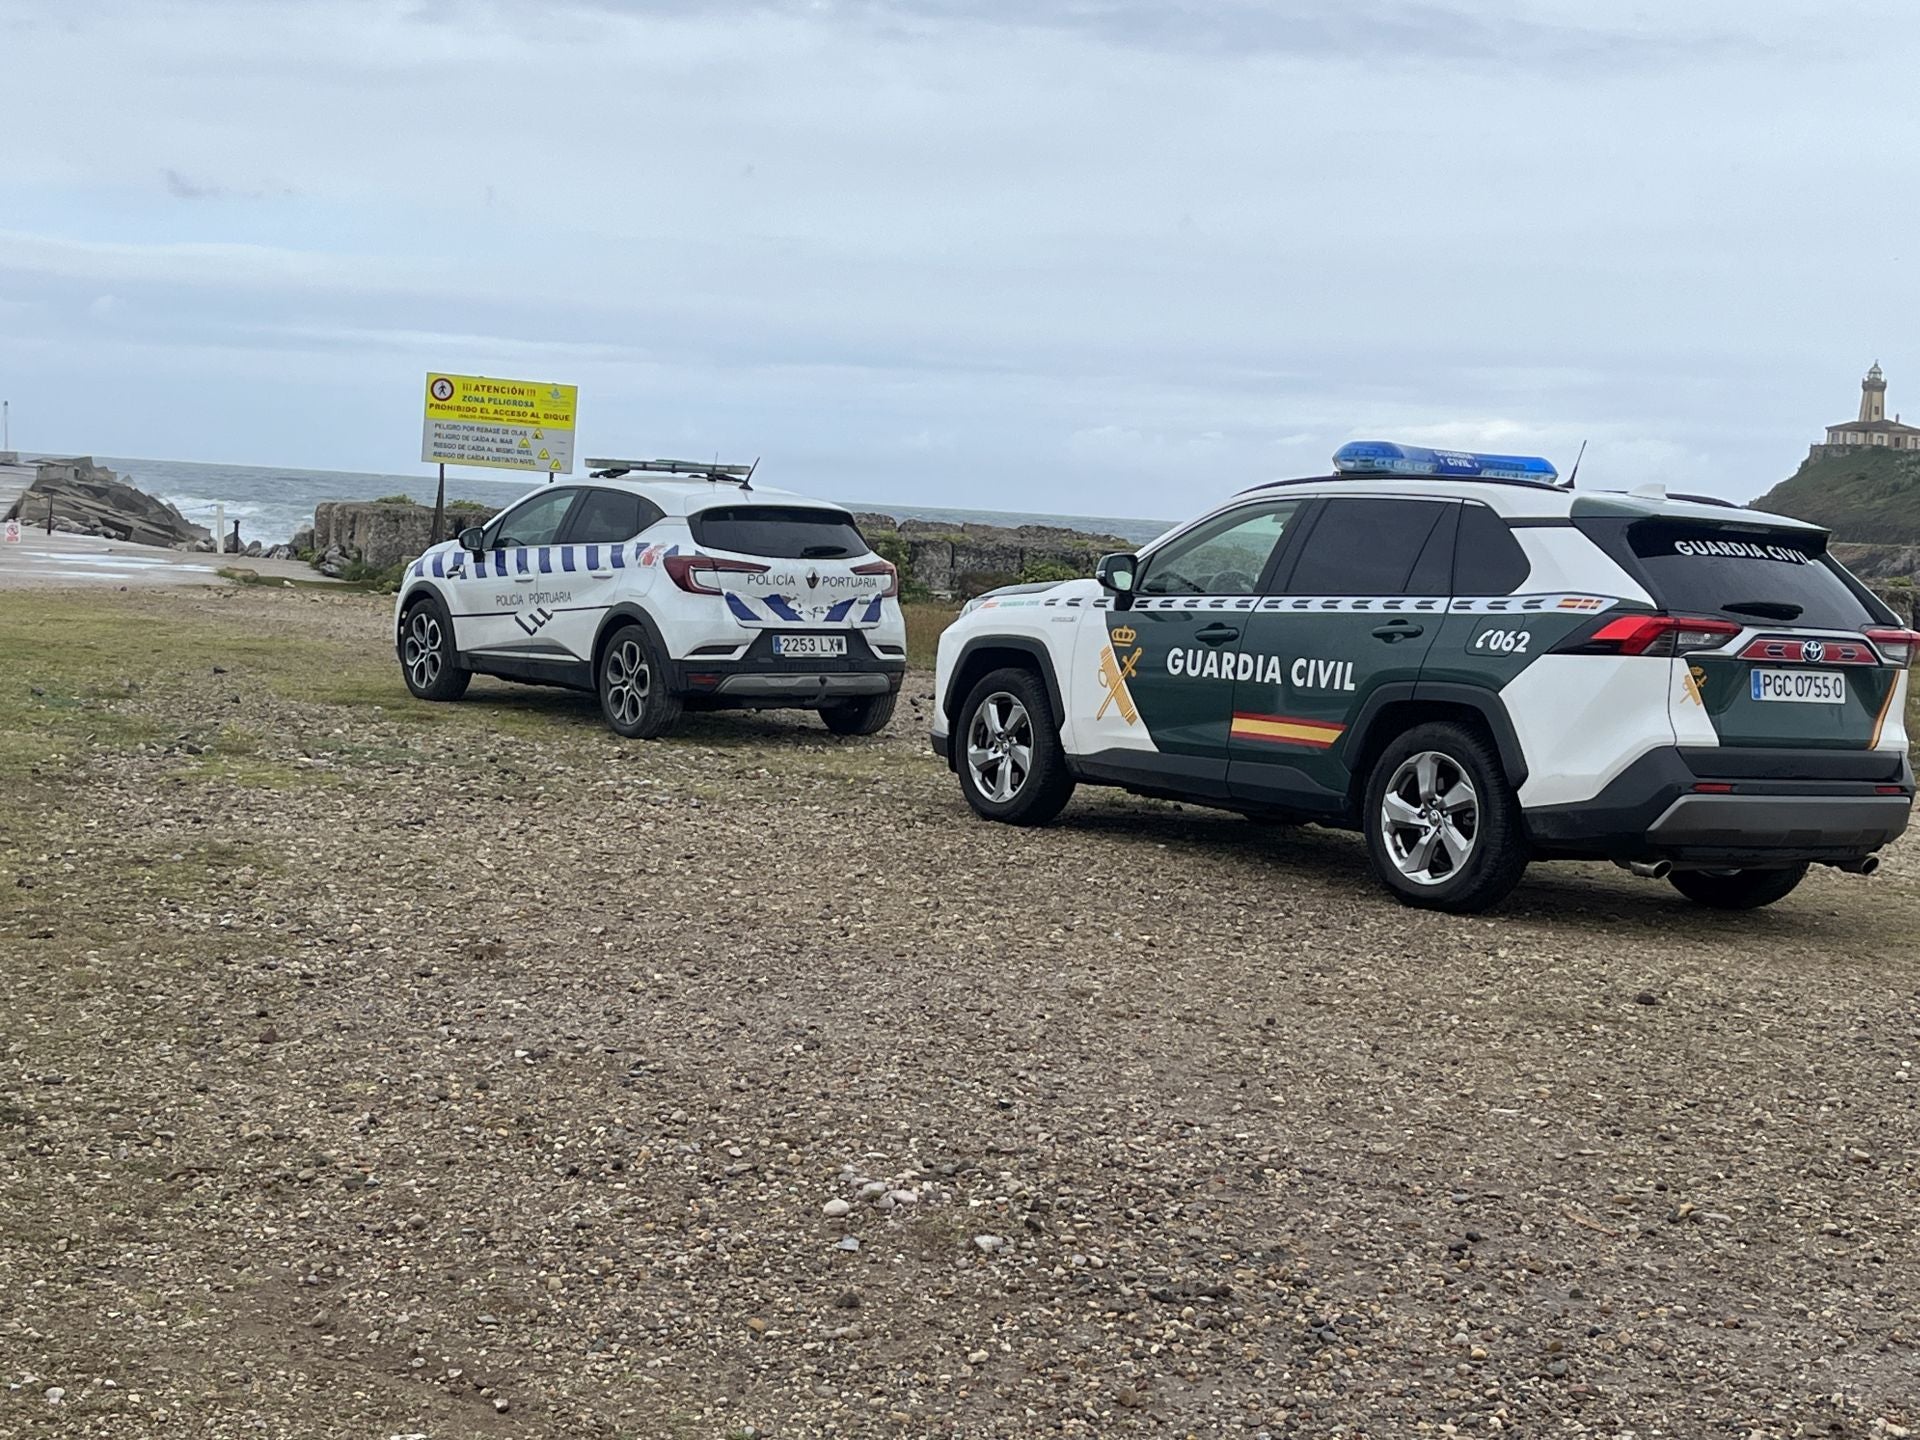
{"type": "Point", "coordinates": [1472, 664]}
{"type": "Point", "coordinates": [663, 586]}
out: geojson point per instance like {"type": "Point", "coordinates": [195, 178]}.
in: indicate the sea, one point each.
{"type": "Point", "coordinates": [272, 501]}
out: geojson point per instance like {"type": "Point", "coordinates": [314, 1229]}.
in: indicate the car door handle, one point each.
{"type": "Point", "coordinates": [525, 579]}
{"type": "Point", "coordinates": [600, 574]}
{"type": "Point", "coordinates": [1398, 630]}
{"type": "Point", "coordinates": [1218, 634]}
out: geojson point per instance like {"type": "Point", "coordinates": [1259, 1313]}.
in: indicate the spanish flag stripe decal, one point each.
{"type": "Point", "coordinates": [1286, 730]}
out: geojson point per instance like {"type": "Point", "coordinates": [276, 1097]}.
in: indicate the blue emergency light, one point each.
{"type": "Point", "coordinates": [1382, 457]}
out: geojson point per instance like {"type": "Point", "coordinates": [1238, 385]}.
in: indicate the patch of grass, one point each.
{"type": "Point", "coordinates": [926, 620]}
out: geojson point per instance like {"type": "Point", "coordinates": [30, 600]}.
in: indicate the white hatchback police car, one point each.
{"type": "Point", "coordinates": [1472, 664]}
{"type": "Point", "coordinates": [663, 586]}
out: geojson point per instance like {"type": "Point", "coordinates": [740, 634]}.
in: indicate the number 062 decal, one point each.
{"type": "Point", "coordinates": [1502, 642]}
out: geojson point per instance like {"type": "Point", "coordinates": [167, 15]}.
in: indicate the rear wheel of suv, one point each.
{"type": "Point", "coordinates": [866, 716]}
{"type": "Point", "coordinates": [632, 683]}
{"type": "Point", "coordinates": [427, 656]}
{"type": "Point", "coordinates": [1011, 764]}
{"type": "Point", "coordinates": [1737, 889]}
{"type": "Point", "coordinates": [1443, 826]}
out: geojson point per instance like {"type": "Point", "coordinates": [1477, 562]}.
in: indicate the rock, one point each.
{"type": "Point", "coordinates": [302, 539]}
{"type": "Point", "coordinates": [835, 1209]}
{"type": "Point", "coordinates": [846, 1300]}
{"type": "Point", "coordinates": [55, 1394]}
{"type": "Point", "coordinates": [280, 552]}
{"type": "Point", "coordinates": [1646, 997]}
{"type": "Point", "coordinates": [383, 533]}
{"type": "Point", "coordinates": [989, 1244]}
{"type": "Point", "coordinates": [253, 548]}
{"type": "Point", "coordinates": [85, 498]}
{"type": "Point", "coordinates": [849, 1242]}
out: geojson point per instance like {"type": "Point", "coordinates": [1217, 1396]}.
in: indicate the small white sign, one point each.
{"type": "Point", "coordinates": [13, 532]}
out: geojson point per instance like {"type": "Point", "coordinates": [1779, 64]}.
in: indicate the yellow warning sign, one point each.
{"type": "Point", "coordinates": [481, 420]}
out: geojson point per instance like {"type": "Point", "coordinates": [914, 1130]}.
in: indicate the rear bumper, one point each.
{"type": "Point", "coordinates": [760, 678]}
{"type": "Point", "coordinates": [1779, 807]}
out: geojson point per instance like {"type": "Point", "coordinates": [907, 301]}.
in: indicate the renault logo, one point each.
{"type": "Point", "coordinates": [813, 579]}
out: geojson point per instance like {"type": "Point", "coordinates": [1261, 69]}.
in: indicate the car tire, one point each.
{"type": "Point", "coordinates": [428, 661]}
{"type": "Point", "coordinates": [1004, 720]}
{"type": "Point", "coordinates": [630, 679]}
{"type": "Point", "coordinates": [1443, 825]}
{"type": "Point", "coordinates": [1737, 889]}
{"type": "Point", "coordinates": [866, 716]}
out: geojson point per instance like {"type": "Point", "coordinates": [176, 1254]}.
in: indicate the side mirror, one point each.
{"type": "Point", "coordinates": [473, 539]}
{"type": "Point", "coordinates": [1117, 573]}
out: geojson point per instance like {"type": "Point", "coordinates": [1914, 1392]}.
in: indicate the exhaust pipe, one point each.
{"type": "Point", "coordinates": [1651, 869]}
{"type": "Point", "coordinates": [1865, 865]}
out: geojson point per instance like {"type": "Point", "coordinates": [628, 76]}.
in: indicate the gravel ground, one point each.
{"type": "Point", "coordinates": [374, 1069]}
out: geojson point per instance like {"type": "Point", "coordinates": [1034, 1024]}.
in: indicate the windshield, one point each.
{"type": "Point", "coordinates": [779, 532]}
{"type": "Point", "coordinates": [1749, 573]}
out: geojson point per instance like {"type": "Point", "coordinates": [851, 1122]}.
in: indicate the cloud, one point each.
{"type": "Point", "coordinates": [1080, 254]}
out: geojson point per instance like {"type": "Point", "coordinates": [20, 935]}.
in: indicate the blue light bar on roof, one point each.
{"type": "Point", "coordinates": [1382, 457]}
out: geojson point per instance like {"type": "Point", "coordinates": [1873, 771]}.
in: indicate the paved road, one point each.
{"type": "Point", "coordinates": [40, 559]}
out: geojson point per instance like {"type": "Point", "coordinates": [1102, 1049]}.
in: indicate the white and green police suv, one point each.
{"type": "Point", "coordinates": [1472, 664]}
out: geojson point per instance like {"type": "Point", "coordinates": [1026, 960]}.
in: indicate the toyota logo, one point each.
{"type": "Point", "coordinates": [1813, 652]}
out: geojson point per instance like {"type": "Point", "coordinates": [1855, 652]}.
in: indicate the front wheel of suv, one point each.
{"type": "Point", "coordinates": [427, 656]}
{"type": "Point", "coordinates": [866, 716]}
{"type": "Point", "coordinates": [632, 683]}
{"type": "Point", "coordinates": [1737, 889]}
{"type": "Point", "coordinates": [1012, 767]}
{"type": "Point", "coordinates": [1444, 829]}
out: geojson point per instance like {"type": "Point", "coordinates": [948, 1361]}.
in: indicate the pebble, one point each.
{"type": "Point", "coordinates": [55, 1394]}
{"type": "Point", "coordinates": [989, 1243]}
{"type": "Point", "coordinates": [849, 1242]}
{"type": "Point", "coordinates": [835, 1209]}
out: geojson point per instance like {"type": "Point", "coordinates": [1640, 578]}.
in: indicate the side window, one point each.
{"type": "Point", "coordinates": [534, 521]}
{"type": "Point", "coordinates": [1487, 560]}
{"type": "Point", "coordinates": [605, 517]}
{"type": "Point", "coordinates": [1365, 547]}
{"type": "Point", "coordinates": [1224, 556]}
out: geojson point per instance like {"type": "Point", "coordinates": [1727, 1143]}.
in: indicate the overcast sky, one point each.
{"type": "Point", "coordinates": [1094, 256]}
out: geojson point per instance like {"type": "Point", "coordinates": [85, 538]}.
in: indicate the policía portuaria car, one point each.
{"type": "Point", "coordinates": [1472, 664]}
{"type": "Point", "coordinates": [681, 588]}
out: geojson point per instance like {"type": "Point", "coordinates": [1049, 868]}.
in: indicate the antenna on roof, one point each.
{"type": "Point", "coordinates": [746, 481]}
{"type": "Point", "coordinates": [1574, 474]}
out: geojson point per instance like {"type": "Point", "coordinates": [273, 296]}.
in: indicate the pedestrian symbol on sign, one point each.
{"type": "Point", "coordinates": [441, 389]}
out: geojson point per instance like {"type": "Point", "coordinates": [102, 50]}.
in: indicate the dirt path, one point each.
{"type": "Point", "coordinates": [375, 1069]}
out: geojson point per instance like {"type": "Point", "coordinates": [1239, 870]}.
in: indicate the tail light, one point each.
{"type": "Point", "coordinates": [1895, 646]}
{"type": "Point", "coordinates": [1659, 635]}
{"type": "Point", "coordinates": [693, 573]}
{"type": "Point", "coordinates": [886, 568]}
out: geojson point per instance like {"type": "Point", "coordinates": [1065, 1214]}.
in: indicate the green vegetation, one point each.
{"type": "Point", "coordinates": [926, 620]}
{"type": "Point", "coordinates": [1050, 572]}
{"type": "Point", "coordinates": [394, 500]}
{"type": "Point", "coordinates": [1870, 496]}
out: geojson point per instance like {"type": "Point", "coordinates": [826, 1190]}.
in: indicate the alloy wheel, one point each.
{"type": "Point", "coordinates": [422, 651]}
{"type": "Point", "coordinates": [1000, 747]}
{"type": "Point", "coordinates": [1430, 817]}
{"type": "Point", "coordinates": [629, 681]}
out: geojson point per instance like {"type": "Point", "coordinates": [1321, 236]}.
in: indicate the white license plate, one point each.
{"type": "Point", "coordinates": [1815, 687]}
{"type": "Point", "coordinates": [806, 647]}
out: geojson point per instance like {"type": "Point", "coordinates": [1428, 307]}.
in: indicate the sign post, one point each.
{"type": "Point", "coordinates": [501, 424]}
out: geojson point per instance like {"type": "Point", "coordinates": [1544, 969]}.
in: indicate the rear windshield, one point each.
{"type": "Point", "coordinates": [1746, 573]}
{"type": "Point", "coordinates": [778, 532]}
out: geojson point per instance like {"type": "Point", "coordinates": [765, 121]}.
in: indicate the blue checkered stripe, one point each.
{"type": "Point", "coordinates": [534, 560]}
{"type": "Point", "coordinates": [791, 610]}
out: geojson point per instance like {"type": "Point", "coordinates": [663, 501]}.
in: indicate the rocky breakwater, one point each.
{"type": "Point", "coordinates": [379, 534]}
{"type": "Point", "coordinates": [83, 498]}
{"type": "Point", "coordinates": [959, 561]}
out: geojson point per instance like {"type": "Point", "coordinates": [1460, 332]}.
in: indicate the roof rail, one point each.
{"type": "Point", "coordinates": [1415, 479]}
{"type": "Point", "coordinates": [709, 470]}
